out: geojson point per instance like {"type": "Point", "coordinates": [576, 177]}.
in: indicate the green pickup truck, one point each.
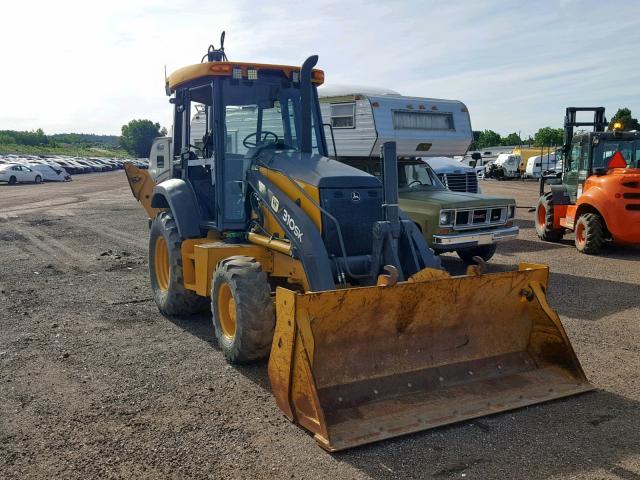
{"type": "Point", "coordinates": [469, 224]}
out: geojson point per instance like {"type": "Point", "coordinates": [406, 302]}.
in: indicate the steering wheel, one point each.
{"type": "Point", "coordinates": [264, 135]}
{"type": "Point", "coordinates": [415, 181]}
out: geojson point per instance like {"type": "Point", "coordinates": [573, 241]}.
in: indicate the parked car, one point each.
{"type": "Point", "coordinates": [50, 172]}
{"type": "Point", "coordinates": [106, 166]}
{"type": "Point", "coordinates": [67, 166]}
{"type": "Point", "coordinates": [81, 166]}
{"type": "Point", "coordinates": [469, 224]}
{"type": "Point", "coordinates": [13, 173]}
{"type": "Point", "coordinates": [92, 166]}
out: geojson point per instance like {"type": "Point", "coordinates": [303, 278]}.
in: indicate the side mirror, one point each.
{"type": "Point", "coordinates": [476, 156]}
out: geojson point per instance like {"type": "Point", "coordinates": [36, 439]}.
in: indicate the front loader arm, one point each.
{"type": "Point", "coordinates": [142, 185]}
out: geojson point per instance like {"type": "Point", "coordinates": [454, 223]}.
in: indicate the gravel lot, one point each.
{"type": "Point", "coordinates": [95, 383]}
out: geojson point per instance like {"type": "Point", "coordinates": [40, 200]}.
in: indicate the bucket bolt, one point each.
{"type": "Point", "coordinates": [527, 293]}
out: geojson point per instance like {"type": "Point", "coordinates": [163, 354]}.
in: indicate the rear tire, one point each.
{"type": "Point", "coordinates": [485, 252]}
{"type": "Point", "coordinates": [243, 311]}
{"type": "Point", "coordinates": [590, 235]}
{"type": "Point", "coordinates": [544, 220]}
{"type": "Point", "coordinates": [13, 180]}
{"type": "Point", "coordinates": [38, 179]}
{"type": "Point", "coordinates": [165, 270]}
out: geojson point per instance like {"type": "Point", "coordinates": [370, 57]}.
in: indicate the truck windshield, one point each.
{"type": "Point", "coordinates": [418, 176]}
{"type": "Point", "coordinates": [630, 150]}
{"type": "Point", "coordinates": [261, 113]}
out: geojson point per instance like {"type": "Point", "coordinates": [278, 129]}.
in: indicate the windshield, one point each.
{"type": "Point", "coordinates": [629, 149]}
{"type": "Point", "coordinates": [262, 113]}
{"type": "Point", "coordinates": [418, 176]}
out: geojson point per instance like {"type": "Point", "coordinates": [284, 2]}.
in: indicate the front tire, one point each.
{"type": "Point", "coordinates": [243, 311]}
{"type": "Point", "coordinates": [485, 252]}
{"type": "Point", "coordinates": [165, 270]}
{"type": "Point", "coordinates": [544, 220]}
{"type": "Point", "coordinates": [589, 233]}
{"type": "Point", "coordinates": [38, 179]}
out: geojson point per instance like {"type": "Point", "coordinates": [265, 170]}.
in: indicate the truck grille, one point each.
{"type": "Point", "coordinates": [460, 182]}
{"type": "Point", "coordinates": [480, 217]}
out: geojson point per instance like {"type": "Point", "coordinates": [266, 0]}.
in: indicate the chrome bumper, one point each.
{"type": "Point", "coordinates": [472, 239]}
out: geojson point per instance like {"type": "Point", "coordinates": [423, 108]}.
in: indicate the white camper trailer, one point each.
{"type": "Point", "coordinates": [363, 118]}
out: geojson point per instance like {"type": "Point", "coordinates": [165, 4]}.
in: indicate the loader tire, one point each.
{"type": "Point", "coordinates": [243, 311]}
{"type": "Point", "coordinates": [484, 251]}
{"type": "Point", "coordinates": [590, 236]}
{"type": "Point", "coordinates": [165, 270]}
{"type": "Point", "coordinates": [544, 220]}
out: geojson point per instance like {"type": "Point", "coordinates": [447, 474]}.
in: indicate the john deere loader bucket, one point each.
{"type": "Point", "coordinates": [359, 365]}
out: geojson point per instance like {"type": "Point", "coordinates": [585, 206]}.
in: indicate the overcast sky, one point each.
{"type": "Point", "coordinates": [92, 66]}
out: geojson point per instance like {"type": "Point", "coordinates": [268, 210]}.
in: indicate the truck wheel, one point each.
{"type": "Point", "coordinates": [243, 311]}
{"type": "Point", "coordinates": [544, 220]}
{"type": "Point", "coordinates": [165, 270]}
{"type": "Point", "coordinates": [589, 233]}
{"type": "Point", "coordinates": [484, 251]}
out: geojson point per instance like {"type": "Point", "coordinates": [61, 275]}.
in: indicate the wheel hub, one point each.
{"type": "Point", "coordinates": [161, 264]}
{"type": "Point", "coordinates": [227, 311]}
{"type": "Point", "coordinates": [542, 215]}
{"type": "Point", "coordinates": [580, 234]}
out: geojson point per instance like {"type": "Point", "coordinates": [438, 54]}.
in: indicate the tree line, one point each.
{"type": "Point", "coordinates": [39, 138]}
{"type": "Point", "coordinates": [546, 136]}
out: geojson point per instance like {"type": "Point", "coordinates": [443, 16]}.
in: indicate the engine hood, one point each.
{"type": "Point", "coordinates": [449, 199]}
{"type": "Point", "coordinates": [317, 170]}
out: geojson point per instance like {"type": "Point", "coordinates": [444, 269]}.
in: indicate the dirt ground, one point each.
{"type": "Point", "coordinates": [95, 383]}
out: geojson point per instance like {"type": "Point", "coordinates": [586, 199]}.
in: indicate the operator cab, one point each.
{"type": "Point", "coordinates": [225, 114]}
{"type": "Point", "coordinates": [596, 153]}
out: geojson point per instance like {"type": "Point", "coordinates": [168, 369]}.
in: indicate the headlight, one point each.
{"type": "Point", "coordinates": [446, 218]}
{"type": "Point", "coordinates": [512, 211]}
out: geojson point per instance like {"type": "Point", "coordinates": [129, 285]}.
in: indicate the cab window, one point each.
{"type": "Point", "coordinates": [574, 156]}
{"type": "Point", "coordinates": [606, 150]}
{"type": "Point", "coordinates": [416, 176]}
{"type": "Point", "coordinates": [584, 157]}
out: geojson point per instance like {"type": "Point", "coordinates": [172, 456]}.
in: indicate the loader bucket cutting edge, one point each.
{"type": "Point", "coordinates": [359, 365]}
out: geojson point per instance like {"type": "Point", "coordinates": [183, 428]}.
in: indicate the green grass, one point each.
{"type": "Point", "coordinates": [70, 150]}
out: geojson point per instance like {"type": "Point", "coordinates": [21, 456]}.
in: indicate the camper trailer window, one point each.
{"type": "Point", "coordinates": [422, 120]}
{"type": "Point", "coordinates": [343, 115]}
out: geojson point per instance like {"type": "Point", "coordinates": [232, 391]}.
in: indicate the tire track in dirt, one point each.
{"type": "Point", "coordinates": [45, 246]}
{"type": "Point", "coordinates": [37, 206]}
{"type": "Point", "coordinates": [116, 235]}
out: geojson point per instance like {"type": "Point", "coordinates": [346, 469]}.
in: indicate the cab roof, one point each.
{"type": "Point", "coordinates": [225, 69]}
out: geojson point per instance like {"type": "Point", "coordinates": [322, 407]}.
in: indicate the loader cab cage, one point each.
{"type": "Point", "coordinates": [242, 117]}
{"type": "Point", "coordinates": [591, 152]}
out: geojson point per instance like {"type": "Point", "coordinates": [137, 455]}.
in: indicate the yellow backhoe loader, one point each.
{"type": "Point", "coordinates": [309, 262]}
